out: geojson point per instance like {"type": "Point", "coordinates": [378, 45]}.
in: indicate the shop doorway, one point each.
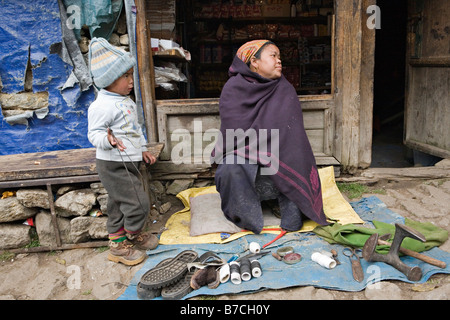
{"type": "Point", "coordinates": [388, 149]}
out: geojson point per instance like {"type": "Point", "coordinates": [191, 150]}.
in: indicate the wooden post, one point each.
{"type": "Point", "coordinates": [146, 70]}
{"type": "Point", "coordinates": [348, 83]}
{"type": "Point", "coordinates": [53, 212]}
{"type": "Point", "coordinates": [367, 79]}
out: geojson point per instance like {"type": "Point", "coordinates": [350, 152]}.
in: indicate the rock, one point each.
{"type": "Point", "coordinates": [444, 163]}
{"type": "Point", "coordinates": [179, 185]}
{"type": "Point", "coordinates": [203, 183]}
{"type": "Point", "coordinates": [103, 201]}
{"type": "Point", "coordinates": [383, 291]}
{"type": "Point", "coordinates": [83, 229]}
{"type": "Point", "coordinates": [157, 188]}
{"type": "Point", "coordinates": [114, 39]}
{"type": "Point", "coordinates": [123, 39]}
{"type": "Point", "coordinates": [12, 210]}
{"type": "Point", "coordinates": [165, 207]}
{"type": "Point", "coordinates": [440, 293]}
{"type": "Point", "coordinates": [108, 278]}
{"type": "Point", "coordinates": [98, 187]}
{"type": "Point", "coordinates": [64, 190]}
{"type": "Point", "coordinates": [46, 231]}
{"type": "Point", "coordinates": [75, 203]}
{"type": "Point", "coordinates": [84, 44]}
{"type": "Point", "coordinates": [322, 294]}
{"type": "Point", "coordinates": [13, 236]}
{"type": "Point", "coordinates": [33, 198]}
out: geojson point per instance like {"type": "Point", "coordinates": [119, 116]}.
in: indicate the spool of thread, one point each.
{"type": "Point", "coordinates": [256, 268]}
{"type": "Point", "coordinates": [235, 273]}
{"type": "Point", "coordinates": [246, 271]}
{"type": "Point", "coordinates": [254, 247]}
{"type": "Point", "coordinates": [323, 260]}
{"type": "Point", "coordinates": [224, 273]}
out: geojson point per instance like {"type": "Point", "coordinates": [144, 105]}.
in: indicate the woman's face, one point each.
{"type": "Point", "coordinates": [269, 64]}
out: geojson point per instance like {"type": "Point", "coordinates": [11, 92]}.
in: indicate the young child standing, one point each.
{"type": "Point", "coordinates": [114, 130]}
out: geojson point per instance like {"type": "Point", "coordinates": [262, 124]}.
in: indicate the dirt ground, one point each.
{"type": "Point", "coordinates": [86, 274]}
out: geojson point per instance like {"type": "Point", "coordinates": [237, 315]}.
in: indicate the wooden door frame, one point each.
{"type": "Point", "coordinates": [354, 69]}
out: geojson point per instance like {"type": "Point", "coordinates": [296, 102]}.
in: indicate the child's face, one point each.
{"type": "Point", "coordinates": [122, 85]}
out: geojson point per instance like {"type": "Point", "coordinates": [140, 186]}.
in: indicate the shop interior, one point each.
{"type": "Point", "coordinates": [212, 31]}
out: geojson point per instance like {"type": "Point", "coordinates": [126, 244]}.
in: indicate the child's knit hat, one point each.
{"type": "Point", "coordinates": [107, 62]}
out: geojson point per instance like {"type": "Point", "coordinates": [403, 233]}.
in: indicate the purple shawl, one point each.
{"type": "Point", "coordinates": [249, 101]}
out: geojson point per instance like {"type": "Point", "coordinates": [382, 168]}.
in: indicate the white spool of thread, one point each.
{"type": "Point", "coordinates": [323, 260]}
{"type": "Point", "coordinates": [254, 247]}
{"type": "Point", "coordinates": [224, 273]}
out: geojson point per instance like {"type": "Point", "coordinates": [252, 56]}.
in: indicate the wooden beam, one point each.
{"type": "Point", "coordinates": [348, 82]}
{"type": "Point", "coordinates": [146, 70]}
{"type": "Point", "coordinates": [367, 79]}
{"type": "Point", "coordinates": [92, 244]}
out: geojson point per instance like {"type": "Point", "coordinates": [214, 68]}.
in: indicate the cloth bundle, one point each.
{"type": "Point", "coordinates": [356, 236]}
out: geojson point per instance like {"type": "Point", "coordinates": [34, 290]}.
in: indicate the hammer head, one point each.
{"type": "Point", "coordinates": [392, 258]}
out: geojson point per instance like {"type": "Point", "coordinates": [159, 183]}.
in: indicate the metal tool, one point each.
{"type": "Point", "coordinates": [414, 254]}
{"type": "Point", "coordinates": [392, 258]}
{"type": "Point", "coordinates": [354, 255]}
{"type": "Point", "coordinates": [254, 256]}
{"type": "Point", "coordinates": [335, 256]}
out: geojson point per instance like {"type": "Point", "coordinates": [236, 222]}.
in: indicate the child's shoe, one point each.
{"type": "Point", "coordinates": [143, 240]}
{"type": "Point", "coordinates": [125, 252]}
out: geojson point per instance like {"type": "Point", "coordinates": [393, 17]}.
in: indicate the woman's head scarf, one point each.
{"type": "Point", "coordinates": [249, 49]}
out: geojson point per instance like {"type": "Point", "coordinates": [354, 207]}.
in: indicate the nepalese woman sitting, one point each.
{"type": "Point", "coordinates": [264, 152]}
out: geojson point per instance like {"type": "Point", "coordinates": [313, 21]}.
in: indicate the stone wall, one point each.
{"type": "Point", "coordinates": [78, 211]}
{"type": "Point", "coordinates": [81, 211]}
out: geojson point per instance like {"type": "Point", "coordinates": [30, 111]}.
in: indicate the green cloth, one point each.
{"type": "Point", "coordinates": [355, 236]}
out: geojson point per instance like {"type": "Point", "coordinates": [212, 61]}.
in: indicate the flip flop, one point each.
{"type": "Point", "coordinates": [169, 273]}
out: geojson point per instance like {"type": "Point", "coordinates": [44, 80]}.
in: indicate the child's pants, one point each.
{"type": "Point", "coordinates": [128, 202]}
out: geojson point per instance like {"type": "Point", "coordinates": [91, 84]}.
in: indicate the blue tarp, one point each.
{"type": "Point", "coordinates": [278, 275]}
{"type": "Point", "coordinates": [29, 30]}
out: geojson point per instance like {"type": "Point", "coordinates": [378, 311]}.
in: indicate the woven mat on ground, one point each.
{"type": "Point", "coordinates": [276, 274]}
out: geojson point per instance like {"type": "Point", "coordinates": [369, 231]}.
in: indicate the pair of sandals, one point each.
{"type": "Point", "coordinates": [173, 278]}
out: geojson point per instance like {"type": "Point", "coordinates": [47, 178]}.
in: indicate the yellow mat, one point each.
{"type": "Point", "coordinates": [336, 208]}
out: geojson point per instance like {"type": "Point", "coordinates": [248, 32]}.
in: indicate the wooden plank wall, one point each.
{"type": "Point", "coordinates": [198, 116]}
{"type": "Point", "coordinates": [428, 78]}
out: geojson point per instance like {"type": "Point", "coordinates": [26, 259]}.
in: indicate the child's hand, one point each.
{"type": "Point", "coordinates": [116, 143]}
{"type": "Point", "coordinates": [148, 157]}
